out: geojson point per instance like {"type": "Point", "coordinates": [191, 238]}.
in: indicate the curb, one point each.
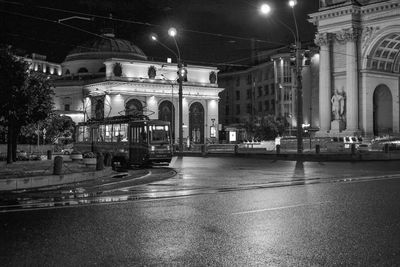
{"type": "Point", "coordinates": [371, 156]}
{"type": "Point", "coordinates": [51, 180]}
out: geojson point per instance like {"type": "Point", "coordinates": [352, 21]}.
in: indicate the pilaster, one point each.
{"type": "Point", "coordinates": [350, 38]}
{"type": "Point", "coordinates": [325, 82]}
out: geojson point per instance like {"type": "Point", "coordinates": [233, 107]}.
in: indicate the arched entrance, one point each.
{"type": "Point", "coordinates": [166, 112]}
{"type": "Point", "coordinates": [196, 123]}
{"type": "Point", "coordinates": [382, 110]}
{"type": "Point", "coordinates": [133, 107]}
{"type": "Point", "coordinates": [99, 108]}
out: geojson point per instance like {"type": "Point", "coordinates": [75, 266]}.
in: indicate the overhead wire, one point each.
{"type": "Point", "coordinates": [133, 22]}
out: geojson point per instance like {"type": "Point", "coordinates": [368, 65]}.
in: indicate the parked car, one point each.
{"type": "Point", "coordinates": [67, 151]}
{"type": "Point", "coordinates": [363, 147]}
{"type": "Point", "coordinates": [22, 155]}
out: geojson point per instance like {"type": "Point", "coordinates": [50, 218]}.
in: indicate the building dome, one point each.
{"type": "Point", "coordinates": [104, 47]}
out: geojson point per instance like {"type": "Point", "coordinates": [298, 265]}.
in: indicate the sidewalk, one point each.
{"type": "Point", "coordinates": [33, 174]}
{"type": "Point", "coordinates": [291, 154]}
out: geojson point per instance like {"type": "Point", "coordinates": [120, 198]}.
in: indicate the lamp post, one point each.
{"type": "Point", "coordinates": [181, 76]}
{"type": "Point", "coordinates": [265, 9]}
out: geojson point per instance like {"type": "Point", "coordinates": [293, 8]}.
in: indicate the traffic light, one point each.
{"type": "Point", "coordinates": [293, 55]}
{"type": "Point", "coordinates": [182, 73]}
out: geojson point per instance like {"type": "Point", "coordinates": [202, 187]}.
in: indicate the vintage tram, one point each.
{"type": "Point", "coordinates": [130, 140]}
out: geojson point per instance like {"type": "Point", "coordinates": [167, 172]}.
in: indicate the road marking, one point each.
{"type": "Point", "coordinates": [124, 181]}
{"type": "Point", "coordinates": [172, 163]}
{"type": "Point", "coordinates": [281, 208]}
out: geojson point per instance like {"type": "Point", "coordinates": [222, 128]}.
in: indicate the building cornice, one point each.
{"type": "Point", "coordinates": [370, 11]}
{"type": "Point", "coordinates": [139, 88]}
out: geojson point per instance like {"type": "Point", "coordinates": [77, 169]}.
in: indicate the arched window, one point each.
{"type": "Point", "coordinates": [83, 70]}
{"type": "Point", "coordinates": [166, 112]}
{"type": "Point", "coordinates": [196, 123]}
{"type": "Point", "coordinates": [99, 109]}
{"type": "Point", "coordinates": [134, 107]}
{"type": "Point", "coordinates": [102, 69]}
{"type": "Point", "coordinates": [67, 103]}
{"type": "Point", "coordinates": [382, 110]}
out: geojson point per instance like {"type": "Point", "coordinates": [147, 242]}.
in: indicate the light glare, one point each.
{"type": "Point", "coordinates": [265, 8]}
{"type": "Point", "coordinates": [172, 32]}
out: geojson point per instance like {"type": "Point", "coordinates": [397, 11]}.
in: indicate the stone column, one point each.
{"type": "Point", "coordinates": [351, 36]}
{"type": "Point", "coordinates": [325, 83]}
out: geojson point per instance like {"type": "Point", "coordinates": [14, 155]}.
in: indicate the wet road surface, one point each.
{"type": "Point", "coordinates": [197, 175]}
{"type": "Point", "coordinates": [324, 224]}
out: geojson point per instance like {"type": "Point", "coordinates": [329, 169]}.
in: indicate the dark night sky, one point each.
{"type": "Point", "coordinates": [198, 21]}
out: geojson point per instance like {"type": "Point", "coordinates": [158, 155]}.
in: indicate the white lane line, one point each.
{"type": "Point", "coordinates": [281, 208]}
{"type": "Point", "coordinates": [173, 160]}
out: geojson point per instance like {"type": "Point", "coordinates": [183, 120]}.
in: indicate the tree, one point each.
{"type": "Point", "coordinates": [269, 128]}
{"type": "Point", "coordinates": [24, 98]}
{"type": "Point", "coordinates": [58, 127]}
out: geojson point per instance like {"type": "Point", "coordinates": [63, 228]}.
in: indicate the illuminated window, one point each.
{"type": "Point", "coordinates": [83, 70]}
{"type": "Point", "coordinates": [67, 103]}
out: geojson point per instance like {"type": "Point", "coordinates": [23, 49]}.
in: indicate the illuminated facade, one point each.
{"type": "Point", "coordinates": [111, 77]}
{"type": "Point", "coordinates": [359, 67]}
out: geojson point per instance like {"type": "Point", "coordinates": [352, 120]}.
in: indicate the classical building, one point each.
{"type": "Point", "coordinates": [249, 95]}
{"type": "Point", "coordinates": [109, 76]}
{"type": "Point", "coordinates": [269, 89]}
{"type": "Point", "coordinates": [359, 67]}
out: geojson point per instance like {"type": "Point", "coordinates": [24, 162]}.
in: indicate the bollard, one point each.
{"type": "Point", "coordinates": [317, 149]}
{"type": "Point", "coordinates": [278, 149]}
{"type": "Point", "coordinates": [236, 149]}
{"type": "Point", "coordinates": [49, 154]}
{"type": "Point", "coordinates": [100, 162]}
{"type": "Point", "coordinates": [203, 150]}
{"type": "Point", "coordinates": [386, 148]}
{"type": "Point", "coordinates": [58, 165]}
{"type": "Point", "coordinates": [353, 149]}
{"type": "Point", "coordinates": [107, 159]}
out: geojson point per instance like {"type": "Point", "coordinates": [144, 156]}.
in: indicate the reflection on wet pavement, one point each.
{"type": "Point", "coordinates": [191, 180]}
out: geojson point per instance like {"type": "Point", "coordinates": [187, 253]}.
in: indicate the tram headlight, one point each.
{"type": "Point", "coordinates": [152, 148]}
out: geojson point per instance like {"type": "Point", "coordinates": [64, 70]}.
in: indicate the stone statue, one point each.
{"type": "Point", "coordinates": [337, 101]}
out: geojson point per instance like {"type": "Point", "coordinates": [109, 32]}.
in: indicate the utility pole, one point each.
{"type": "Point", "coordinates": [180, 80]}
{"type": "Point", "coordinates": [299, 100]}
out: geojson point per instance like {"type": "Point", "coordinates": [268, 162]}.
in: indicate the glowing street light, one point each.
{"type": "Point", "coordinates": [182, 72]}
{"type": "Point", "coordinates": [292, 3]}
{"type": "Point", "coordinates": [265, 9]}
{"type": "Point", "coordinates": [172, 32]}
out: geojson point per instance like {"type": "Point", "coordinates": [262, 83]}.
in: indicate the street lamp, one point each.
{"type": "Point", "coordinates": [181, 76]}
{"type": "Point", "coordinates": [265, 9]}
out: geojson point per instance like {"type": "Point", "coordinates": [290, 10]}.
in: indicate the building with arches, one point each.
{"type": "Point", "coordinates": [108, 77]}
{"type": "Point", "coordinates": [359, 76]}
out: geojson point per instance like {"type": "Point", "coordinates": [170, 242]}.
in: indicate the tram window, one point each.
{"type": "Point", "coordinates": [135, 135]}
{"type": "Point", "coordinates": [95, 134]}
{"type": "Point", "coordinates": [123, 132]}
{"type": "Point", "coordinates": [159, 133]}
{"type": "Point", "coordinates": [143, 135]}
{"type": "Point", "coordinates": [83, 134]}
{"type": "Point", "coordinates": [101, 133]}
{"type": "Point", "coordinates": [119, 132]}
{"type": "Point", "coordinates": [108, 136]}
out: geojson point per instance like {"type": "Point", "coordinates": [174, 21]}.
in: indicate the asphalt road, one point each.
{"type": "Point", "coordinates": [231, 215]}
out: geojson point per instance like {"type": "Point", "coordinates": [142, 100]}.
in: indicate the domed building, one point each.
{"type": "Point", "coordinates": [108, 76]}
{"type": "Point", "coordinates": [89, 57]}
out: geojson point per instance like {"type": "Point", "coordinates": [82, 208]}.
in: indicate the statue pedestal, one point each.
{"type": "Point", "coordinates": [337, 126]}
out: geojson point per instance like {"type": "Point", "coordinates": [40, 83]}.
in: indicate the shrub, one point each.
{"type": "Point", "coordinates": [89, 155]}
